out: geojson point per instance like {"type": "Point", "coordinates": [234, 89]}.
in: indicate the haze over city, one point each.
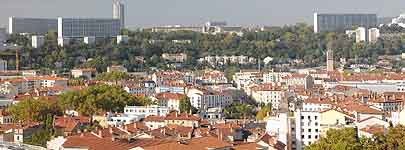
{"type": "Point", "coordinates": [236, 12]}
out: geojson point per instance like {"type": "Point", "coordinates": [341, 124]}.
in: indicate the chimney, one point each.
{"type": "Point", "coordinates": [111, 130]}
{"type": "Point", "coordinates": [164, 131]}
{"type": "Point", "coordinates": [126, 127]}
{"type": "Point", "coordinates": [100, 134]}
{"type": "Point", "coordinates": [135, 127]}
{"type": "Point", "coordinates": [176, 114]}
{"type": "Point", "coordinates": [221, 136]}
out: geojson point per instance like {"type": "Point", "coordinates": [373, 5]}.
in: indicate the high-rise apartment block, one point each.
{"type": "Point", "coordinates": [373, 35]}
{"type": "Point", "coordinates": [119, 12]}
{"type": "Point", "coordinates": [342, 22]}
{"type": "Point", "coordinates": [37, 41]}
{"type": "Point", "coordinates": [361, 34]}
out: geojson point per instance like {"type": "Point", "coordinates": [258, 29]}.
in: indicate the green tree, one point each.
{"type": "Point", "coordinates": [185, 105]}
{"type": "Point", "coordinates": [39, 137]}
{"type": "Point", "coordinates": [264, 111]}
{"type": "Point", "coordinates": [32, 110]}
{"type": "Point", "coordinates": [239, 111]}
{"type": "Point", "coordinates": [338, 139]}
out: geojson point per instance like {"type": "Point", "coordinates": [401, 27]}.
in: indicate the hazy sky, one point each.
{"type": "Point", "coordinates": [188, 12]}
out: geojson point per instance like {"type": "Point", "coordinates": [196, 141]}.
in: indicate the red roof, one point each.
{"type": "Point", "coordinates": [171, 96]}
{"type": "Point", "coordinates": [70, 123]}
{"type": "Point", "coordinates": [181, 116]}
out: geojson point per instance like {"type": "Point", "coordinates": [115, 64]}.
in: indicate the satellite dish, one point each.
{"type": "Point", "coordinates": [267, 60]}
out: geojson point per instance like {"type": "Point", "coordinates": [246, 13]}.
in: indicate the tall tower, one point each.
{"type": "Point", "coordinates": [329, 61]}
{"type": "Point", "coordinates": [119, 12]}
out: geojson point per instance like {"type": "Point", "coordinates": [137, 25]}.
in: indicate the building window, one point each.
{"type": "Point", "coordinates": [302, 117]}
{"type": "Point", "coordinates": [309, 136]}
{"type": "Point", "coordinates": [316, 130]}
{"type": "Point", "coordinates": [316, 117]}
{"type": "Point", "coordinates": [316, 137]}
{"type": "Point", "coordinates": [302, 136]}
{"type": "Point", "coordinates": [309, 130]}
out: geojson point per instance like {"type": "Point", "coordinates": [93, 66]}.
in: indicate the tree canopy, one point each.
{"type": "Point", "coordinates": [347, 139]}
{"type": "Point", "coordinates": [282, 43]}
{"type": "Point", "coordinates": [98, 98]}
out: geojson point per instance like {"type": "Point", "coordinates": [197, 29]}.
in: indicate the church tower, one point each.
{"type": "Point", "coordinates": [329, 61]}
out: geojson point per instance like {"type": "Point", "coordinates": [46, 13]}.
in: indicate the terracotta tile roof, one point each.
{"type": "Point", "coordinates": [136, 126]}
{"type": "Point", "coordinates": [181, 116]}
{"type": "Point", "coordinates": [247, 146]}
{"type": "Point", "coordinates": [5, 127]}
{"type": "Point", "coordinates": [154, 118]}
{"type": "Point", "coordinates": [95, 143]}
{"type": "Point", "coordinates": [171, 96]}
{"type": "Point", "coordinates": [70, 123]}
{"type": "Point", "coordinates": [226, 125]}
{"type": "Point", "coordinates": [202, 143]}
{"type": "Point", "coordinates": [272, 141]}
{"type": "Point", "coordinates": [318, 100]}
{"type": "Point", "coordinates": [54, 88]}
{"type": "Point", "coordinates": [3, 112]}
{"type": "Point", "coordinates": [352, 106]}
{"type": "Point", "coordinates": [373, 129]}
{"type": "Point", "coordinates": [266, 87]}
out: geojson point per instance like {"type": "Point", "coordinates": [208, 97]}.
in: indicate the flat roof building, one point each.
{"type": "Point", "coordinates": [31, 25]}
{"type": "Point", "coordinates": [82, 27]}
{"type": "Point", "coordinates": [342, 22]}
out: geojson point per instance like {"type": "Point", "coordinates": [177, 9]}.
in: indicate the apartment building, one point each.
{"type": "Point", "coordinates": [269, 94]}
{"type": "Point", "coordinates": [204, 98]}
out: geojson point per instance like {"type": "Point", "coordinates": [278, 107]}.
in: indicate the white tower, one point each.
{"type": "Point", "coordinates": [119, 12]}
{"type": "Point", "coordinates": [329, 61]}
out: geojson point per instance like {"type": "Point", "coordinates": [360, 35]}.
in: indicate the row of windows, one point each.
{"type": "Point", "coordinates": [309, 117]}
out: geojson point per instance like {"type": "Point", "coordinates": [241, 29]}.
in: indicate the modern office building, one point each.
{"type": "Point", "coordinates": [72, 27]}
{"type": "Point", "coordinates": [38, 26]}
{"type": "Point", "coordinates": [119, 12]}
{"type": "Point", "coordinates": [342, 22]}
{"type": "Point", "coordinates": [37, 41]}
{"type": "Point", "coordinates": [82, 27]}
{"type": "Point", "coordinates": [3, 35]}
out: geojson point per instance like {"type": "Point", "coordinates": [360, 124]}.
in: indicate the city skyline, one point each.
{"type": "Point", "coordinates": [235, 12]}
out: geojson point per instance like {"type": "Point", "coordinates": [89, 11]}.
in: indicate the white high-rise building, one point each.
{"type": "Point", "coordinates": [361, 34]}
{"type": "Point", "coordinates": [119, 12]}
{"type": "Point", "coordinates": [122, 39]}
{"type": "Point", "coordinates": [89, 40]}
{"type": "Point", "coordinates": [373, 35]}
{"type": "Point", "coordinates": [307, 128]}
{"type": "Point", "coordinates": [37, 41]}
